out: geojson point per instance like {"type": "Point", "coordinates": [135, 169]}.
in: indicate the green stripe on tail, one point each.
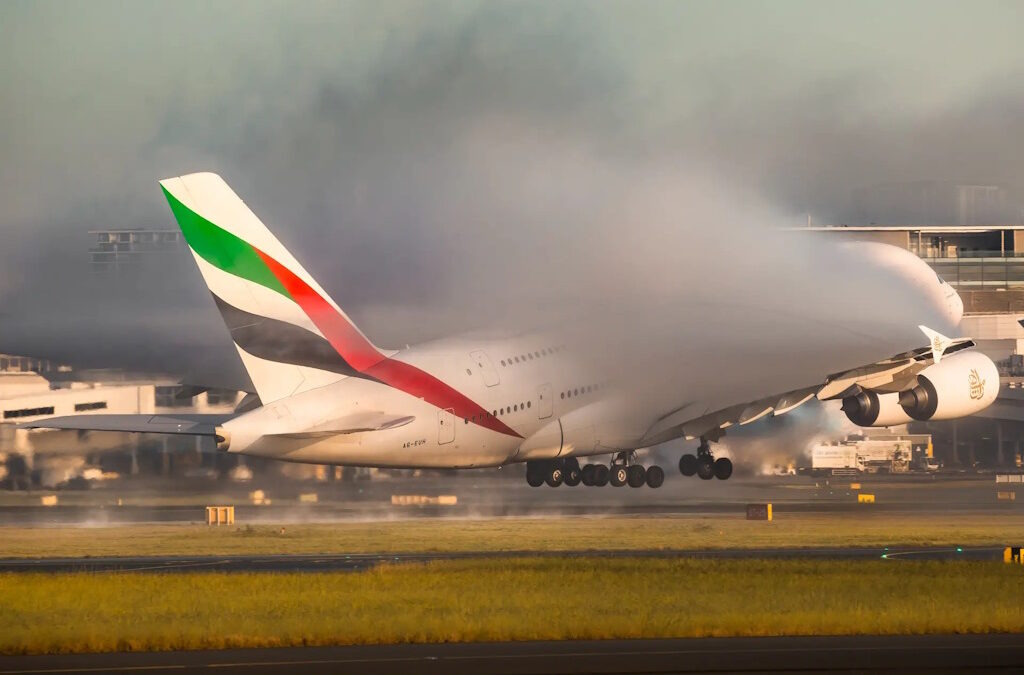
{"type": "Point", "coordinates": [222, 249]}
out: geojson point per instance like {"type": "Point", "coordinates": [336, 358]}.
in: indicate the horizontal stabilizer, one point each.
{"type": "Point", "coordinates": [195, 425]}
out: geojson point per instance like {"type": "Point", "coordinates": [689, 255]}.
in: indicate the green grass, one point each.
{"type": "Point", "coordinates": [503, 534]}
{"type": "Point", "coordinates": [515, 599]}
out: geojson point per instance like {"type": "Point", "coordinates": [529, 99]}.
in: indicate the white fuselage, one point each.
{"type": "Point", "coordinates": [559, 399]}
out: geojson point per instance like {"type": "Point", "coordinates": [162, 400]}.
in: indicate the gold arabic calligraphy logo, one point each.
{"type": "Point", "coordinates": [976, 384]}
{"type": "Point", "coordinates": [936, 343]}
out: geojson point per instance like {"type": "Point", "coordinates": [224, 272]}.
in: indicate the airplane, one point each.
{"type": "Point", "coordinates": [328, 395]}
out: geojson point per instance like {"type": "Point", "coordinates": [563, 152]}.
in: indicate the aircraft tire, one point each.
{"type": "Point", "coordinates": [636, 476]}
{"type": "Point", "coordinates": [587, 474]}
{"type": "Point", "coordinates": [555, 477]}
{"type": "Point", "coordinates": [705, 468]}
{"type": "Point", "coordinates": [534, 477]}
{"type": "Point", "coordinates": [618, 475]}
{"type": "Point", "coordinates": [723, 468]}
{"type": "Point", "coordinates": [688, 465]}
{"type": "Point", "coordinates": [600, 475]}
{"type": "Point", "coordinates": [571, 474]}
{"type": "Point", "coordinates": [655, 476]}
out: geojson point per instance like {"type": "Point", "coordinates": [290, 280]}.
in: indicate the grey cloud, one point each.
{"type": "Point", "coordinates": [440, 167]}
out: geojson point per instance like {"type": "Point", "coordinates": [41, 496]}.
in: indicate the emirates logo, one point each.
{"type": "Point", "coordinates": [976, 384]}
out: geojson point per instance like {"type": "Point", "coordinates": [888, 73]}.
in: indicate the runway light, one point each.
{"type": "Point", "coordinates": [885, 556]}
{"type": "Point", "coordinates": [959, 550]}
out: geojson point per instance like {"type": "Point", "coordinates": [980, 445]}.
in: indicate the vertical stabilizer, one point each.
{"type": "Point", "coordinates": [289, 333]}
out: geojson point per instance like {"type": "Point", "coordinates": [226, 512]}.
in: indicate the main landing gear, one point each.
{"type": "Point", "coordinates": [704, 464]}
{"type": "Point", "coordinates": [567, 471]}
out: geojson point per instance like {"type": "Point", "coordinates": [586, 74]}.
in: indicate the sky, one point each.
{"type": "Point", "coordinates": [440, 165]}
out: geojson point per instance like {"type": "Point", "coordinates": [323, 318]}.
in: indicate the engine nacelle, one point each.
{"type": "Point", "coordinates": [960, 385]}
{"type": "Point", "coordinates": [871, 409]}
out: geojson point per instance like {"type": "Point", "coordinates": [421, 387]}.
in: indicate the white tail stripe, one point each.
{"type": "Point", "coordinates": [274, 380]}
{"type": "Point", "coordinates": [251, 297]}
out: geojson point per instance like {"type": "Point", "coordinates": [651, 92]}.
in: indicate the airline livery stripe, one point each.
{"type": "Point", "coordinates": [280, 341]}
{"type": "Point", "coordinates": [342, 335]}
{"type": "Point", "coordinates": [363, 356]}
{"type": "Point", "coordinates": [222, 249]}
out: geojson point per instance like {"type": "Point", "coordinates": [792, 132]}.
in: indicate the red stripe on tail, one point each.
{"type": "Point", "coordinates": [364, 357]}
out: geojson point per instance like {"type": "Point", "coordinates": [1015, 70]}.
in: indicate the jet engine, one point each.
{"type": "Point", "coordinates": [872, 409]}
{"type": "Point", "coordinates": [960, 385]}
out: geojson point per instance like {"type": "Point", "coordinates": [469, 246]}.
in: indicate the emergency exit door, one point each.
{"type": "Point", "coordinates": [445, 426]}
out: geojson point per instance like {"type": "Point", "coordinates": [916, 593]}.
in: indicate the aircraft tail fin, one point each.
{"type": "Point", "coordinates": [289, 333]}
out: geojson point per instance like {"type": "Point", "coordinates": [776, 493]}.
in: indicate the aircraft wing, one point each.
{"type": "Point", "coordinates": [195, 425]}
{"type": "Point", "coordinates": [893, 374]}
{"type": "Point", "coordinates": [207, 425]}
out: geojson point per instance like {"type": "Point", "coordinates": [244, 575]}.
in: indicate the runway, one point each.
{"type": "Point", "coordinates": [502, 494]}
{"type": "Point", "coordinates": [929, 653]}
{"type": "Point", "coordinates": [360, 561]}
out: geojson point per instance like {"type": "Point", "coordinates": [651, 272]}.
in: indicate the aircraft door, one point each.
{"type": "Point", "coordinates": [545, 401]}
{"type": "Point", "coordinates": [487, 370]}
{"type": "Point", "coordinates": [445, 426]}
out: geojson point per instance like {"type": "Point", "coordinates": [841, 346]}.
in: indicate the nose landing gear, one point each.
{"type": "Point", "coordinates": [704, 464]}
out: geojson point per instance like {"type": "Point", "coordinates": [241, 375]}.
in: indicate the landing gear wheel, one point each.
{"type": "Point", "coordinates": [601, 475]}
{"type": "Point", "coordinates": [618, 475]}
{"type": "Point", "coordinates": [587, 474]}
{"type": "Point", "coordinates": [655, 476]}
{"type": "Point", "coordinates": [571, 474]}
{"type": "Point", "coordinates": [636, 476]}
{"type": "Point", "coordinates": [688, 465]}
{"type": "Point", "coordinates": [534, 477]}
{"type": "Point", "coordinates": [722, 468]}
{"type": "Point", "coordinates": [555, 477]}
{"type": "Point", "coordinates": [706, 468]}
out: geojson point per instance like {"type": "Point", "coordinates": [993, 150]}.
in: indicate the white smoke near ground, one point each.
{"type": "Point", "coordinates": [783, 443]}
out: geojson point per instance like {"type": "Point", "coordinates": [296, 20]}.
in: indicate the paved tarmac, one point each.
{"type": "Point", "coordinates": [867, 654]}
{"type": "Point", "coordinates": [500, 494]}
{"type": "Point", "coordinates": [360, 561]}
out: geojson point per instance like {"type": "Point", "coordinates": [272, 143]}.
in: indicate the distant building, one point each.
{"type": "Point", "coordinates": [934, 202]}
{"type": "Point", "coordinates": [116, 251]}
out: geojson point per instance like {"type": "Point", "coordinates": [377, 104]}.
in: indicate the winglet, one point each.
{"type": "Point", "coordinates": [938, 342]}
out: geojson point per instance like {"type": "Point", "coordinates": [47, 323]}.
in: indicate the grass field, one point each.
{"type": "Point", "coordinates": [515, 599]}
{"type": "Point", "coordinates": [504, 534]}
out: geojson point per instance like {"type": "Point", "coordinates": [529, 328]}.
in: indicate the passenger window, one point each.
{"type": "Point", "coordinates": [529, 404]}
{"type": "Point", "coordinates": [503, 363]}
{"type": "Point", "coordinates": [563, 394]}
{"type": "Point", "coordinates": [575, 392]}
{"type": "Point", "coordinates": [468, 371]}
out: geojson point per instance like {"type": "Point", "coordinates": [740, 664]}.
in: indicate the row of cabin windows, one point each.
{"type": "Point", "coordinates": [28, 412]}
{"type": "Point", "coordinates": [500, 411]}
{"type": "Point", "coordinates": [569, 393]}
{"type": "Point", "coordinates": [523, 358]}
